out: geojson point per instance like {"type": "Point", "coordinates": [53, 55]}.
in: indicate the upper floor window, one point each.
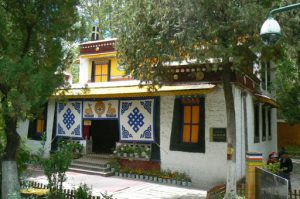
{"type": "Point", "coordinates": [100, 71]}
{"type": "Point", "coordinates": [266, 75]}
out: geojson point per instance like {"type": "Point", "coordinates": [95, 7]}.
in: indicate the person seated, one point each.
{"type": "Point", "coordinates": [273, 158]}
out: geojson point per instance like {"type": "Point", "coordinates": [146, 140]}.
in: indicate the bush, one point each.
{"type": "Point", "coordinates": [83, 192]}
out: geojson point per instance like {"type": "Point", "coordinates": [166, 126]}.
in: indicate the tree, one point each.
{"type": "Point", "coordinates": [153, 33]}
{"type": "Point", "coordinates": [99, 12]}
{"type": "Point", "coordinates": [287, 84]}
{"type": "Point", "coordinates": [31, 64]}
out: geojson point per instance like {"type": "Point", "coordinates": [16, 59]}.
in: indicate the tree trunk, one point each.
{"type": "Point", "coordinates": [10, 180]}
{"type": "Point", "coordinates": [231, 134]}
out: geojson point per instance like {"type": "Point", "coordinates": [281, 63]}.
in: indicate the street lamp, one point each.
{"type": "Point", "coordinates": [270, 31]}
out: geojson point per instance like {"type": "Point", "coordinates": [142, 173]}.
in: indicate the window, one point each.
{"type": "Point", "coordinates": [38, 126]}
{"type": "Point", "coordinates": [256, 122]}
{"type": "Point", "coordinates": [264, 123]}
{"type": "Point", "coordinates": [188, 125]}
{"type": "Point", "coordinates": [269, 123]}
{"type": "Point", "coordinates": [100, 71]}
{"type": "Point", "coordinates": [266, 75]}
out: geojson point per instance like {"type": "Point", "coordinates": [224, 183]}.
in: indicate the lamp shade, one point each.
{"type": "Point", "coordinates": [270, 31]}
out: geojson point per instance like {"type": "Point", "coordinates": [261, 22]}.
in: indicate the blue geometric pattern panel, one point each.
{"type": "Point", "coordinates": [125, 133]}
{"type": "Point", "coordinates": [147, 105]}
{"type": "Point", "coordinates": [69, 119]}
{"type": "Point", "coordinates": [147, 133]}
{"type": "Point", "coordinates": [137, 120]}
{"type": "Point", "coordinates": [125, 106]}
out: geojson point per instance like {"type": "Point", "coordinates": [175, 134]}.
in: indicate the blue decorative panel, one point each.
{"type": "Point", "coordinates": [147, 105]}
{"type": "Point", "coordinates": [69, 119]}
{"type": "Point", "coordinates": [125, 133]}
{"type": "Point", "coordinates": [125, 106]}
{"type": "Point", "coordinates": [137, 120]}
{"type": "Point", "coordinates": [147, 133]}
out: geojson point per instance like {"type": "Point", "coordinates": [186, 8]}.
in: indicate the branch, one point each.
{"type": "Point", "coordinates": [27, 42]}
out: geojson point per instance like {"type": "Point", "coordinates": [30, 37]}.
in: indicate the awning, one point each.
{"type": "Point", "coordinates": [266, 100]}
{"type": "Point", "coordinates": [135, 91]}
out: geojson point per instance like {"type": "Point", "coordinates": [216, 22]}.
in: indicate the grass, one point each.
{"type": "Point", "coordinates": [293, 150]}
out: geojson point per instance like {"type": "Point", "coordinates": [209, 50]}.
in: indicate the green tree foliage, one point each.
{"type": "Point", "coordinates": [287, 84]}
{"type": "Point", "coordinates": [100, 12]}
{"type": "Point", "coordinates": [288, 90]}
{"type": "Point", "coordinates": [31, 58]}
{"type": "Point", "coordinates": [152, 33]}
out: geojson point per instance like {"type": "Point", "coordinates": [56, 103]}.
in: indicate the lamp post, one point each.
{"type": "Point", "coordinates": [270, 31]}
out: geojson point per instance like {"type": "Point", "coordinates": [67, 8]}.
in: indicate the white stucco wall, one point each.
{"type": "Point", "coordinates": [268, 145]}
{"type": "Point", "coordinates": [83, 70]}
{"type": "Point", "coordinates": [206, 169]}
{"type": "Point", "coordinates": [35, 145]}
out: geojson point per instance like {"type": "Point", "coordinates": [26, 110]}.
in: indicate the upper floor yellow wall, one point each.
{"type": "Point", "coordinates": [115, 72]}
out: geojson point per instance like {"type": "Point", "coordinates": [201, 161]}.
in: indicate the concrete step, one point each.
{"type": "Point", "coordinates": [94, 164]}
{"type": "Point", "coordinates": [104, 174]}
{"type": "Point", "coordinates": [92, 167]}
{"type": "Point", "coordinates": [91, 163]}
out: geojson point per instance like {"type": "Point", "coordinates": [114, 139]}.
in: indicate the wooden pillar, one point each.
{"type": "Point", "coordinates": [253, 159]}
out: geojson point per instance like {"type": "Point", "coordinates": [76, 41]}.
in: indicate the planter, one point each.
{"type": "Point", "coordinates": [125, 155]}
{"type": "Point", "coordinates": [151, 178]}
{"type": "Point", "coordinates": [174, 182]}
{"type": "Point", "coordinates": [120, 174]}
{"type": "Point", "coordinates": [116, 173]}
{"type": "Point", "coordinates": [146, 177]}
{"type": "Point", "coordinates": [132, 175]}
{"type": "Point", "coordinates": [125, 175]}
{"type": "Point", "coordinates": [169, 181]}
{"type": "Point", "coordinates": [164, 181]}
{"type": "Point", "coordinates": [189, 184]}
{"type": "Point", "coordinates": [136, 176]}
{"type": "Point", "coordinates": [179, 182]}
{"type": "Point", "coordinates": [131, 155]}
{"type": "Point", "coordinates": [112, 169]}
{"type": "Point", "coordinates": [155, 178]}
{"type": "Point", "coordinates": [159, 180]}
{"type": "Point", "coordinates": [141, 177]}
{"type": "Point", "coordinates": [184, 183]}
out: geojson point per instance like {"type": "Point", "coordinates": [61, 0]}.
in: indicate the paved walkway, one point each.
{"type": "Point", "coordinates": [123, 188]}
{"type": "Point", "coordinates": [295, 175]}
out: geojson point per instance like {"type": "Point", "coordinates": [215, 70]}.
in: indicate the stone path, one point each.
{"type": "Point", "coordinates": [295, 175]}
{"type": "Point", "coordinates": [123, 188]}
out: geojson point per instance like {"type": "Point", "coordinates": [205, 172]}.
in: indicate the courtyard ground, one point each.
{"type": "Point", "coordinates": [123, 188]}
{"type": "Point", "coordinates": [295, 175]}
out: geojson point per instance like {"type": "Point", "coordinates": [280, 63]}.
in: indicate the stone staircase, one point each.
{"type": "Point", "coordinates": [95, 164]}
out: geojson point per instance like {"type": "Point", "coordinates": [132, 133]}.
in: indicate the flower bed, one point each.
{"type": "Point", "coordinates": [133, 150]}
{"type": "Point", "coordinates": [165, 177]}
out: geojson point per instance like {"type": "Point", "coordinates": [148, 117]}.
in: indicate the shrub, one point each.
{"type": "Point", "coordinates": [83, 192]}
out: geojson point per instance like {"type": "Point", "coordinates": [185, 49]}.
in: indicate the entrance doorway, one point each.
{"type": "Point", "coordinates": [105, 134]}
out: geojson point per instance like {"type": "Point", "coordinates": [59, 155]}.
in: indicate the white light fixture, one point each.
{"type": "Point", "coordinates": [270, 31]}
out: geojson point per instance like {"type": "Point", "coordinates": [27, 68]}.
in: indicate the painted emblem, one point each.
{"type": "Point", "coordinates": [88, 112]}
{"type": "Point", "coordinates": [99, 108]}
{"type": "Point", "coordinates": [111, 111]}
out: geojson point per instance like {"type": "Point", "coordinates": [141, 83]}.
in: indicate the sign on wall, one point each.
{"type": "Point", "coordinates": [69, 120]}
{"type": "Point", "coordinates": [100, 109]}
{"type": "Point", "coordinates": [137, 120]}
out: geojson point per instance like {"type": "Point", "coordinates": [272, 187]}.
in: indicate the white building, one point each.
{"type": "Point", "coordinates": [184, 122]}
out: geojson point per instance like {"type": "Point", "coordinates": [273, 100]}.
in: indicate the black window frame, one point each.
{"type": "Point", "coordinates": [32, 129]}
{"type": "Point", "coordinates": [256, 122]}
{"type": "Point", "coordinates": [176, 143]}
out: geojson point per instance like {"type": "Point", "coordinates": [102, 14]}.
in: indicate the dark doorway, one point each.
{"type": "Point", "coordinates": [105, 134]}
